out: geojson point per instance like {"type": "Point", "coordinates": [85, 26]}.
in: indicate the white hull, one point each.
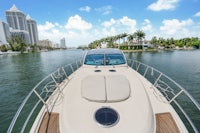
{"type": "Point", "coordinates": [137, 113]}
{"type": "Point", "coordinates": [105, 95]}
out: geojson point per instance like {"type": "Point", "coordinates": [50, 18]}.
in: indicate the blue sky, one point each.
{"type": "Point", "coordinates": [83, 21]}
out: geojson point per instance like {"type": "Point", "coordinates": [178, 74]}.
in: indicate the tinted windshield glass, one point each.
{"type": "Point", "coordinates": [110, 59]}
{"type": "Point", "coordinates": [94, 59]}
{"type": "Point", "coordinates": [115, 59]}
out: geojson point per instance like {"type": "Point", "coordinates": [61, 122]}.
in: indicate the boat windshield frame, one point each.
{"type": "Point", "coordinates": [105, 57]}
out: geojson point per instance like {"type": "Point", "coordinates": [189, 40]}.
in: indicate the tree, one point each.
{"type": "Point", "coordinates": [161, 41]}
{"type": "Point", "coordinates": [123, 36]}
{"type": "Point", "coordinates": [154, 41]}
{"type": "Point", "coordinates": [131, 37]}
{"type": "Point", "coordinates": [140, 35]}
{"type": "Point", "coordinates": [17, 43]}
{"type": "Point", "coordinates": [3, 48]}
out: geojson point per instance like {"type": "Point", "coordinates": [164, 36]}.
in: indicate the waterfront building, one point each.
{"type": "Point", "coordinates": [22, 26]}
{"type": "Point", "coordinates": [62, 43]}
{"type": "Point", "coordinates": [24, 35]}
{"type": "Point", "coordinates": [4, 33]}
{"type": "Point", "coordinates": [16, 19]}
{"type": "Point", "coordinates": [45, 43]}
{"type": "Point", "coordinates": [32, 29]}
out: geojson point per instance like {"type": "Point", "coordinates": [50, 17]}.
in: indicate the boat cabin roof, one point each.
{"type": "Point", "coordinates": [104, 51]}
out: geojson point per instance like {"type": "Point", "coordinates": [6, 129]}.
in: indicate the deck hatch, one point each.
{"type": "Point", "coordinates": [106, 116]}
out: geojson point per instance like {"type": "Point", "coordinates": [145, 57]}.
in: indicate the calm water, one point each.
{"type": "Point", "coordinates": [181, 66]}
{"type": "Point", "coordinates": [20, 73]}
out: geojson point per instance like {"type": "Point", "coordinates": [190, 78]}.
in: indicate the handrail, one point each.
{"type": "Point", "coordinates": [52, 80]}
{"type": "Point", "coordinates": [188, 94]}
{"type": "Point", "coordinates": [143, 69]}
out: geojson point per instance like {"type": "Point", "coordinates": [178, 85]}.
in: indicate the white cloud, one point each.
{"type": "Point", "coordinates": [76, 22]}
{"type": "Point", "coordinates": [109, 23]}
{"type": "Point", "coordinates": [50, 31]}
{"type": "Point", "coordinates": [118, 26]}
{"type": "Point", "coordinates": [86, 9]}
{"type": "Point", "coordinates": [147, 26]}
{"type": "Point", "coordinates": [105, 10]}
{"type": "Point", "coordinates": [175, 26]}
{"type": "Point", "coordinates": [128, 22]}
{"type": "Point", "coordinates": [125, 21]}
{"type": "Point", "coordinates": [197, 14]}
{"type": "Point", "coordinates": [46, 26]}
{"type": "Point", "coordinates": [163, 5]}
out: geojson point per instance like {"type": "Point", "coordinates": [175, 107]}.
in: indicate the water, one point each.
{"type": "Point", "coordinates": [181, 66]}
{"type": "Point", "coordinates": [20, 73]}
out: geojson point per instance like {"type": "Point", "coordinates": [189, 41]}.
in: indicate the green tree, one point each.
{"type": "Point", "coordinates": [140, 35]}
{"type": "Point", "coordinates": [17, 43]}
{"type": "Point", "coordinates": [3, 48]}
{"type": "Point", "coordinates": [161, 41]}
{"type": "Point", "coordinates": [154, 41]}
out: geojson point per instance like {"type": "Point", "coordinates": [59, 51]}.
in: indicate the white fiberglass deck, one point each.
{"type": "Point", "coordinates": [136, 114]}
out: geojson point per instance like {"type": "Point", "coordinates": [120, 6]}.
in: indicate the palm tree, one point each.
{"type": "Point", "coordinates": [154, 41]}
{"type": "Point", "coordinates": [123, 36]}
{"type": "Point", "coordinates": [17, 43]}
{"type": "Point", "coordinates": [131, 37]}
{"type": "Point", "coordinates": [140, 35]}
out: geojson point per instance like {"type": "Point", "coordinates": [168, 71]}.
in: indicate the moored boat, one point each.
{"type": "Point", "coordinates": [103, 93]}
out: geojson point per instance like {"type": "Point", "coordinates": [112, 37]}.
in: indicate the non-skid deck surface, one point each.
{"type": "Point", "coordinates": [165, 123]}
{"type": "Point", "coordinates": [50, 123]}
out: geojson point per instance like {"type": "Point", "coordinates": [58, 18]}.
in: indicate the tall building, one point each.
{"type": "Point", "coordinates": [32, 29]}
{"type": "Point", "coordinates": [22, 26]}
{"type": "Point", "coordinates": [16, 19]}
{"type": "Point", "coordinates": [4, 33]}
{"type": "Point", "coordinates": [62, 43]}
{"type": "Point", "coordinates": [24, 35]}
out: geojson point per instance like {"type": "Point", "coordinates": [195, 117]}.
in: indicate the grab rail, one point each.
{"type": "Point", "coordinates": [38, 96]}
{"type": "Point", "coordinates": [175, 94]}
{"type": "Point", "coordinates": [43, 91]}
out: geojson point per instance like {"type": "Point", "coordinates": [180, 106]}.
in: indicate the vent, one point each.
{"type": "Point", "coordinates": [97, 70]}
{"type": "Point", "coordinates": [112, 70]}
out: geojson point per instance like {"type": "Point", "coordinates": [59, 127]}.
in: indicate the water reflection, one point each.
{"type": "Point", "coordinates": [20, 73]}
{"type": "Point", "coordinates": [182, 66]}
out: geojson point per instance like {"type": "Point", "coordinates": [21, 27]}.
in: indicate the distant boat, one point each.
{"type": "Point", "coordinates": [105, 93]}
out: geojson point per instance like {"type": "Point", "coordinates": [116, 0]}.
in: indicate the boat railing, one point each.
{"type": "Point", "coordinates": [43, 95]}
{"type": "Point", "coordinates": [184, 104]}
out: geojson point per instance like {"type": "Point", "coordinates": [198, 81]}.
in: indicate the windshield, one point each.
{"type": "Point", "coordinates": [104, 59]}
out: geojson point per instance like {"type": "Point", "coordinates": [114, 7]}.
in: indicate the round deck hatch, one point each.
{"type": "Point", "coordinates": [106, 116]}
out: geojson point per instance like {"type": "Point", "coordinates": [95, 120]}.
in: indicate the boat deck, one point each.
{"type": "Point", "coordinates": [142, 106]}
{"type": "Point", "coordinates": [50, 123]}
{"type": "Point", "coordinates": [166, 124]}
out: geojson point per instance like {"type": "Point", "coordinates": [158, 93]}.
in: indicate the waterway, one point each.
{"type": "Point", "coordinates": [20, 73]}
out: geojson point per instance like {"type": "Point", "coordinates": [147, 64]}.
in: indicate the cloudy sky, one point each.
{"type": "Point", "coordinates": [83, 21]}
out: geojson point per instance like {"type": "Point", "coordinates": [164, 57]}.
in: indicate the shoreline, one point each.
{"type": "Point", "coordinates": [9, 53]}
{"type": "Point", "coordinates": [156, 50]}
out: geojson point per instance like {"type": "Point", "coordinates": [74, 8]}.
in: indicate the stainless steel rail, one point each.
{"type": "Point", "coordinates": [38, 97]}
{"type": "Point", "coordinates": [171, 90]}
{"type": "Point", "coordinates": [43, 91]}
